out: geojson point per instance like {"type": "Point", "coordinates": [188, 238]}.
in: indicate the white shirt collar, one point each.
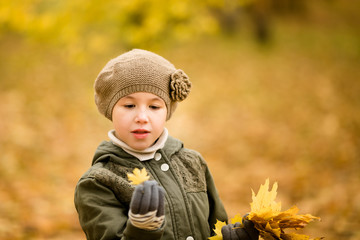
{"type": "Point", "coordinates": [142, 155]}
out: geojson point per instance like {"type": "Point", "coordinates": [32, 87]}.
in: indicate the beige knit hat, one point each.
{"type": "Point", "coordinates": [140, 71]}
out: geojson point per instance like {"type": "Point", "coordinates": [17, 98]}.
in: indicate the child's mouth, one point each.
{"type": "Point", "coordinates": [140, 133]}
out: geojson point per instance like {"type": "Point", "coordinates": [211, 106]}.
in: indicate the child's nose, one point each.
{"type": "Point", "coordinates": [141, 117]}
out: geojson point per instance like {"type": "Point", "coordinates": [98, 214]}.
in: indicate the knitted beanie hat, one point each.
{"type": "Point", "coordinates": [140, 71]}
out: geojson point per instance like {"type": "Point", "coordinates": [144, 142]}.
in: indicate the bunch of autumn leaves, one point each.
{"type": "Point", "coordinates": [268, 218]}
{"type": "Point", "coordinates": [265, 213]}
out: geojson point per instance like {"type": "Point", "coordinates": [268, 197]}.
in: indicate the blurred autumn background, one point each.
{"type": "Point", "coordinates": [276, 94]}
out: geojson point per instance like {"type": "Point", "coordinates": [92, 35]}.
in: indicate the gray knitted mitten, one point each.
{"type": "Point", "coordinates": [147, 206]}
{"type": "Point", "coordinates": [235, 232]}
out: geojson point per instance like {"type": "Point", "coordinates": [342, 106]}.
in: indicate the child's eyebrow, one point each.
{"type": "Point", "coordinates": [156, 98]}
{"type": "Point", "coordinates": [129, 97]}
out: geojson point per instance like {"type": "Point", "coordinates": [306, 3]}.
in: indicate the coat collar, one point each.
{"type": "Point", "coordinates": [143, 155]}
{"type": "Point", "coordinates": [107, 148]}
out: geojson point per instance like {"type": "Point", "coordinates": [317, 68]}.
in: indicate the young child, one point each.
{"type": "Point", "coordinates": [139, 91]}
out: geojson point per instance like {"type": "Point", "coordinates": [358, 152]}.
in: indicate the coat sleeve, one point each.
{"type": "Point", "coordinates": [103, 217]}
{"type": "Point", "coordinates": [217, 210]}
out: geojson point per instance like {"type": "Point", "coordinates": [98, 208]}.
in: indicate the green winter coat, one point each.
{"type": "Point", "coordinates": [192, 203]}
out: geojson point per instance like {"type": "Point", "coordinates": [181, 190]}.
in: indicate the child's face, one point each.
{"type": "Point", "coordinates": [139, 119]}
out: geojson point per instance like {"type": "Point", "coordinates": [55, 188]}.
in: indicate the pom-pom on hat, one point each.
{"type": "Point", "coordinates": [140, 71]}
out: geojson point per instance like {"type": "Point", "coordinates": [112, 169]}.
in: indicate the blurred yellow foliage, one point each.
{"type": "Point", "coordinates": [138, 23]}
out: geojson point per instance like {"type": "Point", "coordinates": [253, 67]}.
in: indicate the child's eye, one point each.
{"type": "Point", "coordinates": [154, 107]}
{"type": "Point", "coordinates": [129, 105]}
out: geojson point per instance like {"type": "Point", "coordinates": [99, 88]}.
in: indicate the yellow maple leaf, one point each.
{"type": "Point", "coordinates": [138, 176]}
{"type": "Point", "coordinates": [236, 218]}
{"type": "Point", "coordinates": [220, 224]}
{"type": "Point", "coordinates": [263, 203]}
{"type": "Point", "coordinates": [217, 230]}
{"type": "Point", "coordinates": [273, 230]}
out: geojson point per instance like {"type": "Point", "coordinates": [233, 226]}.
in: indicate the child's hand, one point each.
{"type": "Point", "coordinates": [147, 206]}
{"type": "Point", "coordinates": [235, 232]}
